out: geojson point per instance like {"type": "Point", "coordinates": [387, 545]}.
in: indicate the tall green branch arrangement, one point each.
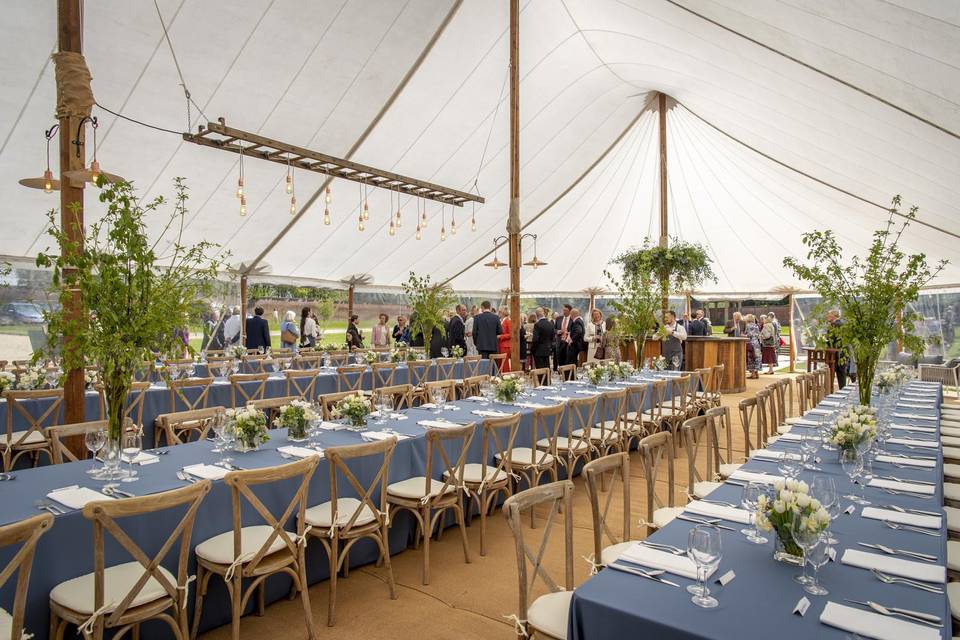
{"type": "Point", "coordinates": [428, 301]}
{"type": "Point", "coordinates": [678, 268]}
{"type": "Point", "coordinates": [636, 305]}
{"type": "Point", "coordinates": [871, 292]}
{"type": "Point", "coordinates": [134, 297]}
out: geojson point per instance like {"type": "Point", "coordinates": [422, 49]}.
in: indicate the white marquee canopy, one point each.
{"type": "Point", "coordinates": [861, 95]}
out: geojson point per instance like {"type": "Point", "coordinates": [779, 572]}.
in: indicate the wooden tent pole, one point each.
{"type": "Point", "coordinates": [243, 309]}
{"type": "Point", "coordinates": [70, 38]}
{"type": "Point", "coordinates": [664, 224]}
{"type": "Point", "coordinates": [793, 341]}
{"type": "Point", "coordinates": [350, 302]}
{"type": "Point", "coordinates": [513, 220]}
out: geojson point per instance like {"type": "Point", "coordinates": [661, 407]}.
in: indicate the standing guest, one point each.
{"type": "Point", "coordinates": [503, 340]}
{"type": "Point", "coordinates": [834, 341]}
{"type": "Point", "coordinates": [671, 347]}
{"type": "Point", "coordinates": [562, 336]}
{"type": "Point", "coordinates": [380, 335]}
{"type": "Point", "coordinates": [576, 345]}
{"type": "Point", "coordinates": [768, 344]}
{"type": "Point", "coordinates": [697, 327]}
{"type": "Point", "coordinates": [289, 332]}
{"type": "Point", "coordinates": [526, 346]}
{"type": "Point", "coordinates": [216, 335]}
{"type": "Point", "coordinates": [542, 343]}
{"type": "Point", "coordinates": [457, 329]}
{"type": "Point", "coordinates": [401, 330]}
{"type": "Point", "coordinates": [231, 328]}
{"type": "Point", "coordinates": [308, 328]}
{"type": "Point", "coordinates": [752, 333]}
{"type": "Point", "coordinates": [438, 343]}
{"type": "Point", "coordinates": [705, 319]}
{"type": "Point", "coordinates": [734, 328]}
{"type": "Point", "coordinates": [595, 337]}
{"type": "Point", "coordinates": [468, 332]}
{"type": "Point", "coordinates": [486, 328]}
{"type": "Point", "coordinates": [354, 335]}
{"type": "Point", "coordinates": [611, 339]}
{"type": "Point", "coordinates": [685, 322]}
{"type": "Point", "coordinates": [210, 326]}
{"type": "Point", "coordinates": [258, 331]}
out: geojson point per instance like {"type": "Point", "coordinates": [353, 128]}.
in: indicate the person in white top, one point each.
{"type": "Point", "coordinates": [671, 348]}
{"type": "Point", "coordinates": [231, 327]}
{"type": "Point", "coordinates": [468, 332]}
{"type": "Point", "coordinates": [595, 336]}
{"type": "Point", "coordinates": [308, 328]}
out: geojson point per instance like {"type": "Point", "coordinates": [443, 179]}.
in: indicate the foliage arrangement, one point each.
{"type": "Point", "coordinates": [871, 293]}
{"type": "Point", "coordinates": [371, 357]}
{"type": "Point", "coordinates": [456, 351]}
{"type": "Point", "coordinates": [32, 378]}
{"type": "Point", "coordinates": [237, 352]}
{"type": "Point", "coordinates": [792, 501]}
{"type": "Point", "coordinates": [90, 378]}
{"type": "Point", "coordinates": [892, 378]}
{"type": "Point", "coordinates": [507, 389]}
{"type": "Point", "coordinates": [250, 426]}
{"type": "Point", "coordinates": [621, 370]}
{"type": "Point", "coordinates": [636, 304]}
{"type": "Point", "coordinates": [856, 428]}
{"type": "Point", "coordinates": [7, 380]}
{"type": "Point", "coordinates": [331, 346]}
{"type": "Point", "coordinates": [295, 417]}
{"type": "Point", "coordinates": [355, 408]}
{"type": "Point", "coordinates": [134, 296]}
{"type": "Point", "coordinates": [679, 267]}
{"type": "Point", "coordinates": [427, 301]}
{"type": "Point", "coordinates": [597, 375]}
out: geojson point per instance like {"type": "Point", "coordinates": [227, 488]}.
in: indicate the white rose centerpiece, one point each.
{"type": "Point", "coordinates": [792, 500]}
{"type": "Point", "coordinates": [855, 429]}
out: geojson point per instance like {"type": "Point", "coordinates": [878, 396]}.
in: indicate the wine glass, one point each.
{"type": "Point", "coordinates": [94, 439]}
{"type": "Point", "coordinates": [489, 393]}
{"type": "Point", "coordinates": [438, 395]}
{"type": "Point", "coordinates": [751, 496]}
{"type": "Point", "coordinates": [385, 403]}
{"type": "Point", "coordinates": [132, 446]}
{"type": "Point", "coordinates": [865, 474]}
{"type": "Point", "coordinates": [809, 445]}
{"type": "Point", "coordinates": [788, 465]}
{"type": "Point", "coordinates": [705, 549]}
{"type": "Point", "coordinates": [807, 538]}
{"type": "Point", "coordinates": [851, 463]}
{"type": "Point", "coordinates": [222, 427]}
{"type": "Point", "coordinates": [824, 489]}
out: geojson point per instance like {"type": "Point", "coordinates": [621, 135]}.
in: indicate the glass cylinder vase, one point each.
{"type": "Point", "coordinates": [786, 550]}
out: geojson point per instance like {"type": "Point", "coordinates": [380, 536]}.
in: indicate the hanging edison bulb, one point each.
{"type": "Point", "coordinates": [243, 205]}
{"type": "Point", "coordinates": [293, 205]}
{"type": "Point", "coordinates": [328, 198]}
{"type": "Point", "coordinates": [360, 225]}
{"type": "Point", "coordinates": [453, 224]}
{"type": "Point", "coordinates": [366, 206]}
{"type": "Point", "coordinates": [419, 235]}
{"type": "Point", "coordinates": [473, 223]}
{"type": "Point", "coordinates": [289, 179]}
{"type": "Point", "coordinates": [443, 233]}
{"type": "Point", "coordinates": [393, 229]}
{"type": "Point", "coordinates": [326, 216]}
{"type": "Point", "coordinates": [240, 179]}
{"type": "Point", "coordinates": [423, 216]}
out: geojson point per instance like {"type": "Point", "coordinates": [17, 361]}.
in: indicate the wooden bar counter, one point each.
{"type": "Point", "coordinates": [708, 351]}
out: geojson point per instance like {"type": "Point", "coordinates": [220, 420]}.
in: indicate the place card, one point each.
{"type": "Point", "coordinates": [726, 578]}
{"type": "Point", "coordinates": [802, 605]}
{"type": "Point", "coordinates": [849, 510]}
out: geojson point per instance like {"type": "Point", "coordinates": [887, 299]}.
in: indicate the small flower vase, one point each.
{"type": "Point", "coordinates": [297, 432]}
{"type": "Point", "coordinates": [846, 453]}
{"type": "Point", "coordinates": [786, 550]}
{"type": "Point", "coordinates": [245, 445]}
{"type": "Point", "coordinates": [111, 459]}
{"type": "Point", "coordinates": [358, 423]}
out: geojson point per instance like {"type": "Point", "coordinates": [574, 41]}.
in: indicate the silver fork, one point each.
{"type": "Point", "coordinates": [185, 477]}
{"type": "Point", "coordinates": [906, 527]}
{"type": "Point", "coordinates": [887, 579]}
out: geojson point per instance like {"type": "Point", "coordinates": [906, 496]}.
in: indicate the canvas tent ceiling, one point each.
{"type": "Point", "coordinates": [316, 73]}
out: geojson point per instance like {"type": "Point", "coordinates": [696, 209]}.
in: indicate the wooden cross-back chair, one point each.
{"type": "Point", "coordinates": [418, 372]}
{"type": "Point", "coordinates": [778, 405]}
{"type": "Point", "coordinates": [179, 392]}
{"type": "Point", "coordinates": [383, 374]}
{"type": "Point", "coordinates": [724, 455]}
{"type": "Point", "coordinates": [823, 386]}
{"type": "Point", "coordinates": [302, 382]}
{"type": "Point", "coordinates": [350, 377]}
{"type": "Point", "coordinates": [614, 468]}
{"type": "Point", "coordinates": [803, 394]}
{"type": "Point", "coordinates": [38, 409]}
{"type": "Point", "coordinates": [567, 372]}
{"type": "Point", "coordinates": [702, 394]}
{"type": "Point", "coordinates": [540, 377]}
{"type": "Point", "coordinates": [183, 426]}
{"type": "Point", "coordinates": [347, 520]}
{"type": "Point", "coordinates": [493, 475]}
{"type": "Point", "coordinates": [657, 450]}
{"type": "Point", "coordinates": [674, 409]}
{"type": "Point", "coordinates": [247, 387]}
{"type": "Point", "coordinates": [765, 416]}
{"type": "Point", "coordinates": [787, 390]}
{"type": "Point", "coordinates": [256, 552]}
{"type": "Point", "coordinates": [694, 407]}
{"type": "Point", "coordinates": [328, 402]}
{"type": "Point", "coordinates": [652, 419]}
{"type": "Point", "coordinates": [427, 498]}
{"type": "Point", "coordinates": [402, 395]}
{"type": "Point", "coordinates": [339, 358]}
{"type": "Point", "coordinates": [471, 366]}
{"type": "Point", "coordinates": [25, 533]}
{"type": "Point", "coordinates": [445, 369]}
{"type": "Point", "coordinates": [56, 434]}
{"type": "Point", "coordinates": [750, 415]}
{"type": "Point", "coordinates": [471, 386]}
{"type": "Point", "coordinates": [633, 427]}
{"type": "Point", "coordinates": [570, 448]}
{"type": "Point", "coordinates": [141, 589]}
{"type": "Point", "coordinates": [220, 366]}
{"type": "Point", "coordinates": [497, 361]}
{"type": "Point", "coordinates": [271, 406]}
{"type": "Point", "coordinates": [699, 444]}
{"type": "Point", "coordinates": [606, 432]}
{"type": "Point", "coordinates": [308, 360]}
{"type": "Point", "coordinates": [532, 463]}
{"type": "Point", "coordinates": [716, 384]}
{"type": "Point", "coordinates": [547, 614]}
{"type": "Point", "coordinates": [449, 385]}
{"type": "Point", "coordinates": [134, 402]}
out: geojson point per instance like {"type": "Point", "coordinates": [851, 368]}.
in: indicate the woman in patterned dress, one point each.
{"type": "Point", "coordinates": [752, 334]}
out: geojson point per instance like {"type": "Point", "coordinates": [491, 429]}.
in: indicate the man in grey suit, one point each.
{"type": "Point", "coordinates": [486, 328]}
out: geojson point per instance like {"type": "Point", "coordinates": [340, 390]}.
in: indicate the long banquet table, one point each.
{"type": "Point", "coordinates": [760, 601]}
{"type": "Point", "coordinates": [66, 550]}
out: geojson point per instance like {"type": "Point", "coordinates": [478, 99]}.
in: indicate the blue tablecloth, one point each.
{"type": "Point", "coordinates": [759, 601]}
{"type": "Point", "coordinates": [66, 550]}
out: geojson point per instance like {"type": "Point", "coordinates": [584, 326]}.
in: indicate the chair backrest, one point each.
{"type": "Point", "coordinates": [803, 393]}
{"type": "Point", "coordinates": [134, 402]}
{"type": "Point", "coordinates": [471, 385]}
{"type": "Point", "coordinates": [59, 453]}
{"type": "Point", "coordinates": [179, 425]}
{"type": "Point", "coordinates": [219, 366]}
{"type": "Point", "coordinates": [38, 409]}
{"type": "Point", "coordinates": [181, 390]}
{"type": "Point", "coordinates": [580, 412]}
{"type": "Point", "coordinates": [698, 443]}
{"type": "Point", "coordinates": [439, 443]}
{"type": "Point", "coordinates": [418, 372]}
{"type": "Point", "coordinates": [445, 368]}
{"type": "Point", "coordinates": [308, 360]}
{"type": "Point", "coordinates": [567, 372]}
{"type": "Point", "coordinates": [339, 358]}
{"type": "Point", "coordinates": [329, 400]}
{"type": "Point", "coordinates": [680, 397]}
{"type": "Point", "coordinates": [384, 374]}
{"type": "Point", "coordinates": [545, 425]}
{"type": "Point", "coordinates": [530, 565]}
{"type": "Point", "coordinates": [247, 387]}
{"type": "Point", "coordinates": [778, 402]}
{"type": "Point", "coordinates": [613, 409]}
{"type": "Point", "coordinates": [657, 390]}
{"type": "Point", "coordinates": [350, 377]}
{"type": "Point", "coordinates": [749, 410]}
{"type": "Point", "coordinates": [271, 406]}
{"type": "Point", "coordinates": [25, 533]}
{"type": "Point", "coordinates": [471, 366]}
{"type": "Point", "coordinates": [540, 377]}
{"type": "Point", "coordinates": [381, 450]}
{"type": "Point", "coordinates": [764, 416]}
{"type": "Point", "coordinates": [634, 407]}
{"type": "Point", "coordinates": [449, 385]}
{"type": "Point", "coordinates": [496, 362]}
{"type": "Point", "coordinates": [719, 420]}
{"type": "Point", "coordinates": [402, 395]}
{"type": "Point", "coordinates": [786, 391]}
{"type": "Point", "coordinates": [616, 464]}
{"type": "Point", "coordinates": [497, 443]}
{"type": "Point", "coordinates": [716, 379]}
{"type": "Point", "coordinates": [302, 382]}
{"type": "Point", "coordinates": [656, 450]}
{"type": "Point", "coordinates": [241, 483]}
{"type": "Point", "coordinates": [255, 362]}
{"type": "Point", "coordinates": [705, 375]}
{"type": "Point", "coordinates": [697, 382]}
{"type": "Point", "coordinates": [106, 517]}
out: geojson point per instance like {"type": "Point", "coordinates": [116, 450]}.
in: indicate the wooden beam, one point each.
{"type": "Point", "coordinates": [243, 310]}
{"type": "Point", "coordinates": [664, 223]}
{"type": "Point", "coordinates": [513, 220]}
{"type": "Point", "coordinates": [793, 338]}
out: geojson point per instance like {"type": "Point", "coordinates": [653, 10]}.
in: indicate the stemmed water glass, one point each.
{"type": "Point", "coordinates": [809, 445]}
{"type": "Point", "coordinates": [866, 473]}
{"type": "Point", "coordinates": [751, 496]}
{"type": "Point", "coordinates": [788, 465]}
{"type": "Point", "coordinates": [223, 428]}
{"type": "Point", "coordinates": [132, 446]}
{"type": "Point", "coordinates": [487, 391]}
{"type": "Point", "coordinates": [385, 402]}
{"type": "Point", "coordinates": [705, 549]}
{"type": "Point", "coordinates": [852, 465]}
{"type": "Point", "coordinates": [94, 439]}
{"type": "Point", "coordinates": [814, 552]}
{"type": "Point", "coordinates": [824, 489]}
{"type": "Point", "coordinates": [438, 395]}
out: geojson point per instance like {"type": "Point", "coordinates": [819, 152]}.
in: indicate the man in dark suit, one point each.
{"type": "Point", "coordinates": [258, 331]}
{"type": "Point", "coordinates": [734, 328]}
{"type": "Point", "coordinates": [486, 328]}
{"type": "Point", "coordinates": [576, 332]}
{"type": "Point", "coordinates": [696, 327]}
{"type": "Point", "coordinates": [562, 337]}
{"type": "Point", "coordinates": [544, 331]}
{"type": "Point", "coordinates": [457, 330]}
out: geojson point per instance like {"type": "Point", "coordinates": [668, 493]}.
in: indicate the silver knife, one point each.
{"type": "Point", "coordinates": [640, 572]}
{"type": "Point", "coordinates": [903, 552]}
{"type": "Point", "coordinates": [919, 616]}
{"type": "Point", "coordinates": [712, 523]}
{"type": "Point", "coordinates": [896, 507]}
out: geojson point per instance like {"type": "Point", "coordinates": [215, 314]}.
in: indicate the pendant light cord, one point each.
{"type": "Point", "coordinates": [176, 63]}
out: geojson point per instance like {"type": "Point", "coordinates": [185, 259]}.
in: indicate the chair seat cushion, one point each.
{"type": "Point", "coordinates": [549, 612]}
{"type": "Point", "coordinates": [793, 420]}
{"type": "Point", "coordinates": [665, 515]}
{"type": "Point", "coordinates": [598, 435]}
{"type": "Point", "coordinates": [950, 431]}
{"type": "Point", "coordinates": [76, 594]}
{"type": "Point", "coordinates": [951, 471]}
{"type": "Point", "coordinates": [321, 515]}
{"type": "Point", "coordinates": [953, 519]}
{"type": "Point", "coordinates": [475, 473]}
{"type": "Point", "coordinates": [950, 441]}
{"type": "Point", "coordinates": [784, 428]}
{"type": "Point", "coordinates": [772, 439]}
{"type": "Point", "coordinates": [614, 551]}
{"type": "Point", "coordinates": [525, 456]}
{"type": "Point", "coordinates": [219, 549]}
{"type": "Point", "coordinates": [728, 469]}
{"type": "Point", "coordinates": [34, 437]}
{"type": "Point", "coordinates": [953, 556]}
{"type": "Point", "coordinates": [953, 596]}
{"type": "Point", "coordinates": [565, 444]}
{"type": "Point", "coordinates": [670, 410]}
{"type": "Point", "coordinates": [703, 488]}
{"type": "Point", "coordinates": [413, 488]}
{"type": "Point", "coordinates": [951, 453]}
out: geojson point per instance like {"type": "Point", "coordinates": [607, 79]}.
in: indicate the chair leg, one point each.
{"type": "Point", "coordinates": [305, 595]}
{"type": "Point", "coordinates": [484, 506]}
{"type": "Point", "coordinates": [427, 532]}
{"type": "Point", "coordinates": [262, 599]}
{"type": "Point", "coordinates": [385, 558]}
{"type": "Point", "coordinates": [202, 579]}
{"type": "Point", "coordinates": [458, 512]}
{"type": "Point", "coordinates": [332, 599]}
{"type": "Point", "coordinates": [236, 597]}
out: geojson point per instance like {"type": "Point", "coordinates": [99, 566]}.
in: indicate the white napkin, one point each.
{"type": "Point", "coordinates": [299, 452]}
{"type": "Point", "coordinates": [484, 413]}
{"type": "Point", "coordinates": [907, 427]}
{"type": "Point", "coordinates": [428, 405]}
{"type": "Point", "coordinates": [912, 487]}
{"type": "Point", "coordinates": [649, 557]}
{"type": "Point", "coordinates": [547, 387]}
{"type": "Point", "coordinates": [558, 398]}
{"type": "Point", "coordinates": [332, 426]}
{"type": "Point", "coordinates": [796, 437]}
{"type": "Point", "coordinates": [476, 398]}
{"type": "Point", "coordinates": [76, 497]}
{"type": "Point", "coordinates": [915, 405]}
{"type": "Point", "coordinates": [438, 424]}
{"type": "Point", "coordinates": [587, 392]}
{"type": "Point", "coordinates": [766, 454]}
{"type": "Point", "coordinates": [710, 510]}
{"type": "Point", "coordinates": [144, 458]}
{"type": "Point", "coordinates": [382, 435]}
{"type": "Point", "coordinates": [913, 519]}
{"type": "Point", "coordinates": [800, 422]}
{"type": "Point", "coordinates": [913, 416]}
{"type": "Point", "coordinates": [530, 405]}
{"type": "Point", "coordinates": [910, 462]}
{"type": "Point", "coordinates": [830, 403]}
{"type": "Point", "coordinates": [873, 625]}
{"type": "Point", "coordinates": [574, 382]}
{"type": "Point", "coordinates": [897, 566]}
{"type": "Point", "coordinates": [930, 444]}
{"type": "Point", "coordinates": [819, 412]}
{"type": "Point", "coordinates": [750, 476]}
{"type": "Point", "coordinates": [608, 388]}
{"type": "Point", "coordinates": [208, 471]}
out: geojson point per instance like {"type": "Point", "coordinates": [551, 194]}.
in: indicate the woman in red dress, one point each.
{"type": "Point", "coordinates": [503, 340]}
